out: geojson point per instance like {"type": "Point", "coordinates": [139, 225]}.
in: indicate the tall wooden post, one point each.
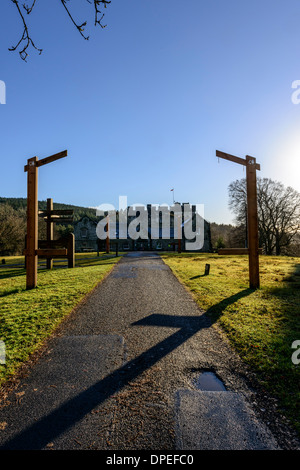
{"type": "Point", "coordinates": [252, 222]}
{"type": "Point", "coordinates": [49, 231]}
{"type": "Point", "coordinates": [252, 219]}
{"type": "Point", "coordinates": [31, 250]}
{"type": "Point", "coordinates": [71, 250]}
{"type": "Point", "coordinates": [32, 223]}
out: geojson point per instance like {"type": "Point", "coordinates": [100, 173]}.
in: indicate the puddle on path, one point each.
{"type": "Point", "coordinates": [208, 381]}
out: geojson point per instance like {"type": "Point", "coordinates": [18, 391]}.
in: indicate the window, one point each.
{"type": "Point", "coordinates": [84, 232]}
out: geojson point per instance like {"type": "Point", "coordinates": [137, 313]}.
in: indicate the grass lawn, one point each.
{"type": "Point", "coordinates": [261, 324]}
{"type": "Point", "coordinates": [27, 318]}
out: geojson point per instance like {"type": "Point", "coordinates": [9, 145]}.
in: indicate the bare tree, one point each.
{"type": "Point", "coordinates": [23, 10]}
{"type": "Point", "coordinates": [278, 212]}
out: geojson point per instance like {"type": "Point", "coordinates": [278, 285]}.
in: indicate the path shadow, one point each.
{"type": "Point", "coordinates": [66, 415]}
{"type": "Point", "coordinates": [215, 311]}
{"type": "Point", "coordinates": [12, 272]}
{"type": "Point", "coordinates": [10, 292]}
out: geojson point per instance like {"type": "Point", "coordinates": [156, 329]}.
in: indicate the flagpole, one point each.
{"type": "Point", "coordinates": [173, 195]}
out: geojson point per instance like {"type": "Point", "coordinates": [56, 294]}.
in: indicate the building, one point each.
{"type": "Point", "coordinates": [85, 235]}
{"type": "Point", "coordinates": [155, 235]}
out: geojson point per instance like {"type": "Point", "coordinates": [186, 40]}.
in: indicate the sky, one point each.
{"type": "Point", "coordinates": [143, 105]}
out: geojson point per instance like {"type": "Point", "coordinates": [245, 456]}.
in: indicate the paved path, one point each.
{"type": "Point", "coordinates": [121, 373]}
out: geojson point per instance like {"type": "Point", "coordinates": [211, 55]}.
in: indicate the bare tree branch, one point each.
{"type": "Point", "coordinates": [29, 9]}
{"type": "Point", "coordinates": [99, 12]}
{"type": "Point", "coordinates": [25, 36]}
{"type": "Point", "coordinates": [79, 27]}
{"type": "Point", "coordinates": [26, 39]}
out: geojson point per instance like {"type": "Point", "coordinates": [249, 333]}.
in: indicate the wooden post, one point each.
{"type": "Point", "coordinates": [25, 263]}
{"type": "Point", "coordinates": [252, 222]}
{"type": "Point", "coordinates": [252, 219]}
{"type": "Point", "coordinates": [31, 251]}
{"type": "Point", "coordinates": [71, 250]}
{"type": "Point", "coordinates": [32, 224]}
{"type": "Point", "coordinates": [49, 231]}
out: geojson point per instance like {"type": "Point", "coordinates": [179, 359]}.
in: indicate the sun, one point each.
{"type": "Point", "coordinates": [285, 163]}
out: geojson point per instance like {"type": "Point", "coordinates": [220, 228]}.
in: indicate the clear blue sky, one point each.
{"type": "Point", "coordinates": [143, 105]}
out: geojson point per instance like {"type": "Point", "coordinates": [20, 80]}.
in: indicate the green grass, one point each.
{"type": "Point", "coordinates": [28, 317]}
{"type": "Point", "coordinates": [261, 324]}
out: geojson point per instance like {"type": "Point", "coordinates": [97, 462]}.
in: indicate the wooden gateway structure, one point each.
{"type": "Point", "coordinates": [49, 248]}
{"type": "Point", "coordinates": [57, 216]}
{"type": "Point", "coordinates": [253, 249]}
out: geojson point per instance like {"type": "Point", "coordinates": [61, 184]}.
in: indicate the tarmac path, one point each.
{"type": "Point", "coordinates": [121, 374]}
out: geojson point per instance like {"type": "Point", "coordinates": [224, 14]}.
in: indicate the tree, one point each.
{"type": "Point", "coordinates": [23, 10]}
{"type": "Point", "coordinates": [12, 230]}
{"type": "Point", "coordinates": [220, 243]}
{"type": "Point", "coordinates": [62, 231]}
{"type": "Point", "coordinates": [227, 235]}
{"type": "Point", "coordinates": [278, 212]}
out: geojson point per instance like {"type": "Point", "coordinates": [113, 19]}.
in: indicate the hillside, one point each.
{"type": "Point", "coordinates": [18, 203]}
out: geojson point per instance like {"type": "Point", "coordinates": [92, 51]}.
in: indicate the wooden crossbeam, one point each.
{"type": "Point", "coordinates": [61, 243]}
{"type": "Point", "coordinates": [59, 220]}
{"type": "Point", "coordinates": [44, 251]}
{"type": "Point", "coordinates": [52, 252]}
{"type": "Point", "coordinates": [52, 158]}
{"type": "Point", "coordinates": [46, 160]}
{"type": "Point", "coordinates": [233, 158]}
{"type": "Point", "coordinates": [56, 212]}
